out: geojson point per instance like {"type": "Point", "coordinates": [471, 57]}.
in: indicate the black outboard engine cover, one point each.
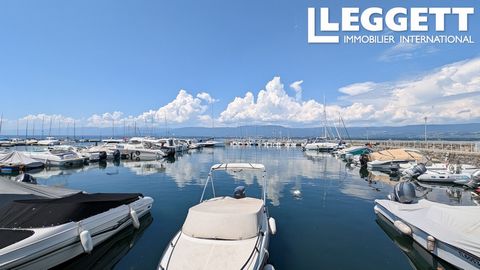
{"type": "Point", "coordinates": [102, 155]}
{"type": "Point", "coordinates": [363, 160]}
{"type": "Point", "coordinates": [403, 192]}
{"type": "Point", "coordinates": [27, 178]}
{"type": "Point", "coordinates": [415, 171]}
{"type": "Point", "coordinates": [239, 192]}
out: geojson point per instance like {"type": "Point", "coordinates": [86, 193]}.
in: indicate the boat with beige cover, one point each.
{"type": "Point", "coordinates": [392, 159]}
{"type": "Point", "coordinates": [223, 232]}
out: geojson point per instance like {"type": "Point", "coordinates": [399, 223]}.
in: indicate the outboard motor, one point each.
{"type": "Point", "coordinates": [102, 155]}
{"type": "Point", "coordinates": [26, 178]}
{"type": "Point", "coordinates": [415, 171]}
{"type": "Point", "coordinates": [116, 154]}
{"type": "Point", "coordinates": [364, 160]}
{"type": "Point", "coordinates": [475, 182]}
{"type": "Point", "coordinates": [403, 192]}
{"type": "Point", "coordinates": [239, 192]}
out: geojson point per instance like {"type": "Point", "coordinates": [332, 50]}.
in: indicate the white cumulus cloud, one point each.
{"type": "Point", "coordinates": [274, 105]}
{"type": "Point", "coordinates": [449, 94]}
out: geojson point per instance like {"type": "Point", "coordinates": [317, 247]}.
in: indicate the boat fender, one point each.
{"type": "Point", "coordinates": [430, 243]}
{"type": "Point", "coordinates": [134, 216]}
{"type": "Point", "coordinates": [268, 267]}
{"type": "Point", "coordinates": [86, 240]}
{"type": "Point", "coordinates": [272, 225]}
{"type": "Point", "coordinates": [402, 227]}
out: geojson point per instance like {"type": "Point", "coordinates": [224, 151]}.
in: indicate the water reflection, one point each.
{"type": "Point", "coordinates": [145, 167]}
{"type": "Point", "coordinates": [107, 254]}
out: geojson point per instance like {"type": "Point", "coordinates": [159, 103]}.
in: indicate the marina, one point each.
{"type": "Point", "coordinates": [332, 201]}
{"type": "Point", "coordinates": [239, 135]}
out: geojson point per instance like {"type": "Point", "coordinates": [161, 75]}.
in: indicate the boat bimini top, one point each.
{"type": "Point", "coordinates": [236, 167]}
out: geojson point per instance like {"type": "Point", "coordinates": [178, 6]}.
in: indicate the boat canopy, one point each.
{"type": "Point", "coordinates": [398, 154]}
{"type": "Point", "coordinates": [458, 226]}
{"type": "Point", "coordinates": [16, 158]}
{"type": "Point", "coordinates": [45, 212]}
{"type": "Point", "coordinates": [237, 166]}
{"type": "Point", "coordinates": [224, 218]}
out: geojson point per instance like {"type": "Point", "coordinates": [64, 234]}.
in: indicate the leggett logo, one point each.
{"type": "Point", "coordinates": [397, 19]}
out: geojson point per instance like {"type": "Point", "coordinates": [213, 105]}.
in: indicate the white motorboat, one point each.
{"type": "Point", "coordinates": [395, 159]}
{"type": "Point", "coordinates": [108, 150]}
{"type": "Point", "coordinates": [320, 145]}
{"type": "Point", "coordinates": [223, 232]}
{"type": "Point", "coordinates": [174, 145]}
{"type": "Point", "coordinates": [211, 143]}
{"type": "Point", "coordinates": [448, 232]}
{"type": "Point", "coordinates": [48, 141]}
{"type": "Point", "coordinates": [42, 227]}
{"type": "Point", "coordinates": [142, 151]}
{"type": "Point", "coordinates": [389, 165]}
{"type": "Point", "coordinates": [60, 158]}
{"type": "Point", "coordinates": [446, 177]}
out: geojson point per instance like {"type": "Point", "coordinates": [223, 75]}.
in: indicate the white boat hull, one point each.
{"type": "Point", "coordinates": [451, 254]}
{"type": "Point", "coordinates": [49, 247]}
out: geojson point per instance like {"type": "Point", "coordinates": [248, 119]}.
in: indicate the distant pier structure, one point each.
{"type": "Point", "coordinates": [456, 151]}
{"type": "Point", "coordinates": [459, 147]}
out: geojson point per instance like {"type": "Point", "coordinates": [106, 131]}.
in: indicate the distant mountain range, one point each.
{"type": "Point", "coordinates": [434, 132]}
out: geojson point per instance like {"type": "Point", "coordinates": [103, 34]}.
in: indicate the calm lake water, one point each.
{"type": "Point", "coordinates": [330, 226]}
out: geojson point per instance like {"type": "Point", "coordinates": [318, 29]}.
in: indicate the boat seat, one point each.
{"type": "Point", "coordinates": [224, 218]}
{"type": "Point", "coordinates": [213, 254]}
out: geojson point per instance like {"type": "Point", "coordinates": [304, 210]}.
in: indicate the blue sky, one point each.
{"type": "Point", "coordinates": [75, 59]}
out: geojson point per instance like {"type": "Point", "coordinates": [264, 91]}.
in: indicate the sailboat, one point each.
{"type": "Point", "coordinates": [321, 144]}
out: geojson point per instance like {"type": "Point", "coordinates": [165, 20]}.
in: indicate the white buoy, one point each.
{"type": "Point", "coordinates": [404, 228]}
{"type": "Point", "coordinates": [272, 225]}
{"type": "Point", "coordinates": [268, 267]}
{"type": "Point", "coordinates": [86, 240]}
{"type": "Point", "coordinates": [430, 243]}
{"type": "Point", "coordinates": [134, 216]}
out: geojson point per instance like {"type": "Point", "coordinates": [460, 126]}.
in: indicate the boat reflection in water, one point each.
{"type": "Point", "coordinates": [110, 252]}
{"type": "Point", "coordinates": [418, 257]}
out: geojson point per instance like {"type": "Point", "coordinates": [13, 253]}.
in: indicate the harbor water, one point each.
{"type": "Point", "coordinates": [323, 208]}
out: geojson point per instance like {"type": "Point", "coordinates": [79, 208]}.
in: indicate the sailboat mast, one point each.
{"type": "Point", "coordinates": [50, 127]}
{"type": "Point", "coordinates": [43, 122]}
{"type": "Point", "coordinates": [1, 122]}
{"type": "Point", "coordinates": [324, 118]}
{"type": "Point", "coordinates": [26, 130]}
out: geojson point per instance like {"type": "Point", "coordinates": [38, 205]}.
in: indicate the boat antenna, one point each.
{"type": "Point", "coordinates": [17, 127]}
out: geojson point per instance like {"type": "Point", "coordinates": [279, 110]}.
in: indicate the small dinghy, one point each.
{"type": "Point", "coordinates": [451, 233]}
{"type": "Point", "coordinates": [223, 232]}
{"type": "Point", "coordinates": [41, 227]}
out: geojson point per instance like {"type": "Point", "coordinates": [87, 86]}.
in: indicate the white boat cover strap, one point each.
{"type": "Point", "coordinates": [458, 226]}
{"type": "Point", "coordinates": [224, 218]}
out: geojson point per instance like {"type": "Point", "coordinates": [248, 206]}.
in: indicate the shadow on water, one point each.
{"type": "Point", "coordinates": [107, 254]}
{"type": "Point", "coordinates": [418, 257]}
